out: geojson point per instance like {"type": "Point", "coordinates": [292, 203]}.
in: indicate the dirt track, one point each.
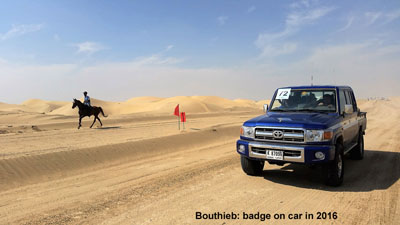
{"type": "Point", "coordinates": [164, 176]}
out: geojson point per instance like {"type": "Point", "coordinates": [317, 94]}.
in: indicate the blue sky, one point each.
{"type": "Point", "coordinates": [235, 49]}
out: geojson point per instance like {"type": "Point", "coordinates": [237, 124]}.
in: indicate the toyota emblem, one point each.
{"type": "Point", "coordinates": [277, 134]}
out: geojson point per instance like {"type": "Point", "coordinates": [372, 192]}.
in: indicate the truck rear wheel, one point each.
{"type": "Point", "coordinates": [251, 167]}
{"type": "Point", "coordinates": [334, 171]}
{"type": "Point", "coordinates": [358, 151]}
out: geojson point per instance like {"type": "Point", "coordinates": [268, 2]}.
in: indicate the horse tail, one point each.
{"type": "Point", "coordinates": [101, 110]}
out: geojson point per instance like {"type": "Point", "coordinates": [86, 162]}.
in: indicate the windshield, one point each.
{"type": "Point", "coordinates": [312, 100]}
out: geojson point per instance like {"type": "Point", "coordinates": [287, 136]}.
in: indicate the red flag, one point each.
{"type": "Point", "coordinates": [183, 117]}
{"type": "Point", "coordinates": [176, 113]}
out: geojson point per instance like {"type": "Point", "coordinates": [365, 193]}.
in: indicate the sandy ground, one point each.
{"type": "Point", "coordinates": [139, 169]}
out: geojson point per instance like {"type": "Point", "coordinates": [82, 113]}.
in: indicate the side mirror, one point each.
{"type": "Point", "coordinates": [265, 107]}
{"type": "Point", "coordinates": [348, 109]}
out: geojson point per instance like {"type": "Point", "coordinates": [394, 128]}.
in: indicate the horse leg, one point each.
{"type": "Point", "coordinates": [99, 120]}
{"type": "Point", "coordinates": [80, 119]}
{"type": "Point", "coordinates": [93, 122]}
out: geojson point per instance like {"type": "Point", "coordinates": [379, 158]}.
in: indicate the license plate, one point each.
{"type": "Point", "coordinates": [272, 154]}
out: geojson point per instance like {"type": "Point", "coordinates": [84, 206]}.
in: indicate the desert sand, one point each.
{"type": "Point", "coordinates": [140, 169]}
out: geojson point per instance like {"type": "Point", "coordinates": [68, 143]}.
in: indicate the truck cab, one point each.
{"type": "Point", "coordinates": [305, 125]}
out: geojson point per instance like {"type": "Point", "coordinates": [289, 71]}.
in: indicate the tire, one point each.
{"type": "Point", "coordinates": [358, 151]}
{"type": "Point", "coordinates": [334, 171]}
{"type": "Point", "coordinates": [251, 167]}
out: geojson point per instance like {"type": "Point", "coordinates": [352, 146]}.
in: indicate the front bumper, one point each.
{"type": "Point", "coordinates": [293, 153]}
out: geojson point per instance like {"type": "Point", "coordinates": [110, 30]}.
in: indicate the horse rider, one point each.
{"type": "Point", "coordinates": [86, 99]}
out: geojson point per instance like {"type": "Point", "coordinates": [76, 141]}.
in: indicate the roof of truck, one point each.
{"type": "Point", "coordinates": [317, 87]}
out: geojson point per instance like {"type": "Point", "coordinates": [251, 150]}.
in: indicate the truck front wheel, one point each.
{"type": "Point", "coordinates": [251, 167]}
{"type": "Point", "coordinates": [334, 171]}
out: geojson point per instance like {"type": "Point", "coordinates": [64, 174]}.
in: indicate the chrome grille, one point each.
{"type": "Point", "coordinates": [289, 134]}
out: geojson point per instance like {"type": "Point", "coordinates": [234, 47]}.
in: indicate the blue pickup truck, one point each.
{"type": "Point", "coordinates": [306, 125]}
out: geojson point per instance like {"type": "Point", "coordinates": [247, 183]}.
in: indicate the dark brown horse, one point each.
{"type": "Point", "coordinates": [85, 110]}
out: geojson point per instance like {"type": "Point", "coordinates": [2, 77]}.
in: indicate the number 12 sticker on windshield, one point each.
{"type": "Point", "coordinates": [283, 93]}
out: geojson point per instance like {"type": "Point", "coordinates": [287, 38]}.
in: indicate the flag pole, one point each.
{"type": "Point", "coordinates": [183, 119]}
{"type": "Point", "coordinates": [176, 113]}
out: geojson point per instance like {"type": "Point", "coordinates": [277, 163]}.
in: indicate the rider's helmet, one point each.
{"type": "Point", "coordinates": [85, 92]}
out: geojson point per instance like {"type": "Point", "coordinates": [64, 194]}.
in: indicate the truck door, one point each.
{"type": "Point", "coordinates": [353, 123]}
{"type": "Point", "coordinates": [347, 133]}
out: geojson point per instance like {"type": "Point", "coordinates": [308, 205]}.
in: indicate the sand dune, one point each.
{"type": "Point", "coordinates": [4, 107]}
{"type": "Point", "coordinates": [144, 99]}
{"type": "Point", "coordinates": [42, 106]}
{"type": "Point", "coordinates": [152, 105]}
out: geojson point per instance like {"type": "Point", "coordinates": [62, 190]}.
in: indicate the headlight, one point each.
{"type": "Point", "coordinates": [318, 135]}
{"type": "Point", "coordinates": [247, 132]}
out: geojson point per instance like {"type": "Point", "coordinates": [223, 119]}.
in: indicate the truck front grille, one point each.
{"type": "Point", "coordinates": [289, 135]}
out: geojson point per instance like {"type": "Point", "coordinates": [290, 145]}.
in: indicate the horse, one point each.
{"type": "Point", "coordinates": [85, 110]}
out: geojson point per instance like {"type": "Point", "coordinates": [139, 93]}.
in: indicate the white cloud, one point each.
{"type": "Point", "coordinates": [283, 49]}
{"type": "Point", "coordinates": [251, 9]}
{"type": "Point", "coordinates": [19, 30]}
{"type": "Point", "coordinates": [372, 17]}
{"type": "Point", "coordinates": [270, 42]}
{"type": "Point", "coordinates": [222, 20]}
{"type": "Point", "coordinates": [302, 3]}
{"type": "Point", "coordinates": [303, 14]}
{"type": "Point", "coordinates": [384, 17]}
{"type": "Point", "coordinates": [155, 60]}
{"type": "Point", "coordinates": [393, 15]}
{"type": "Point", "coordinates": [348, 24]}
{"type": "Point", "coordinates": [264, 38]}
{"type": "Point", "coordinates": [89, 47]}
{"type": "Point", "coordinates": [298, 18]}
{"type": "Point", "coordinates": [169, 47]}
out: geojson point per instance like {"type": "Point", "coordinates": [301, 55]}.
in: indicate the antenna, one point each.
{"type": "Point", "coordinates": [333, 75]}
{"type": "Point", "coordinates": [312, 78]}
